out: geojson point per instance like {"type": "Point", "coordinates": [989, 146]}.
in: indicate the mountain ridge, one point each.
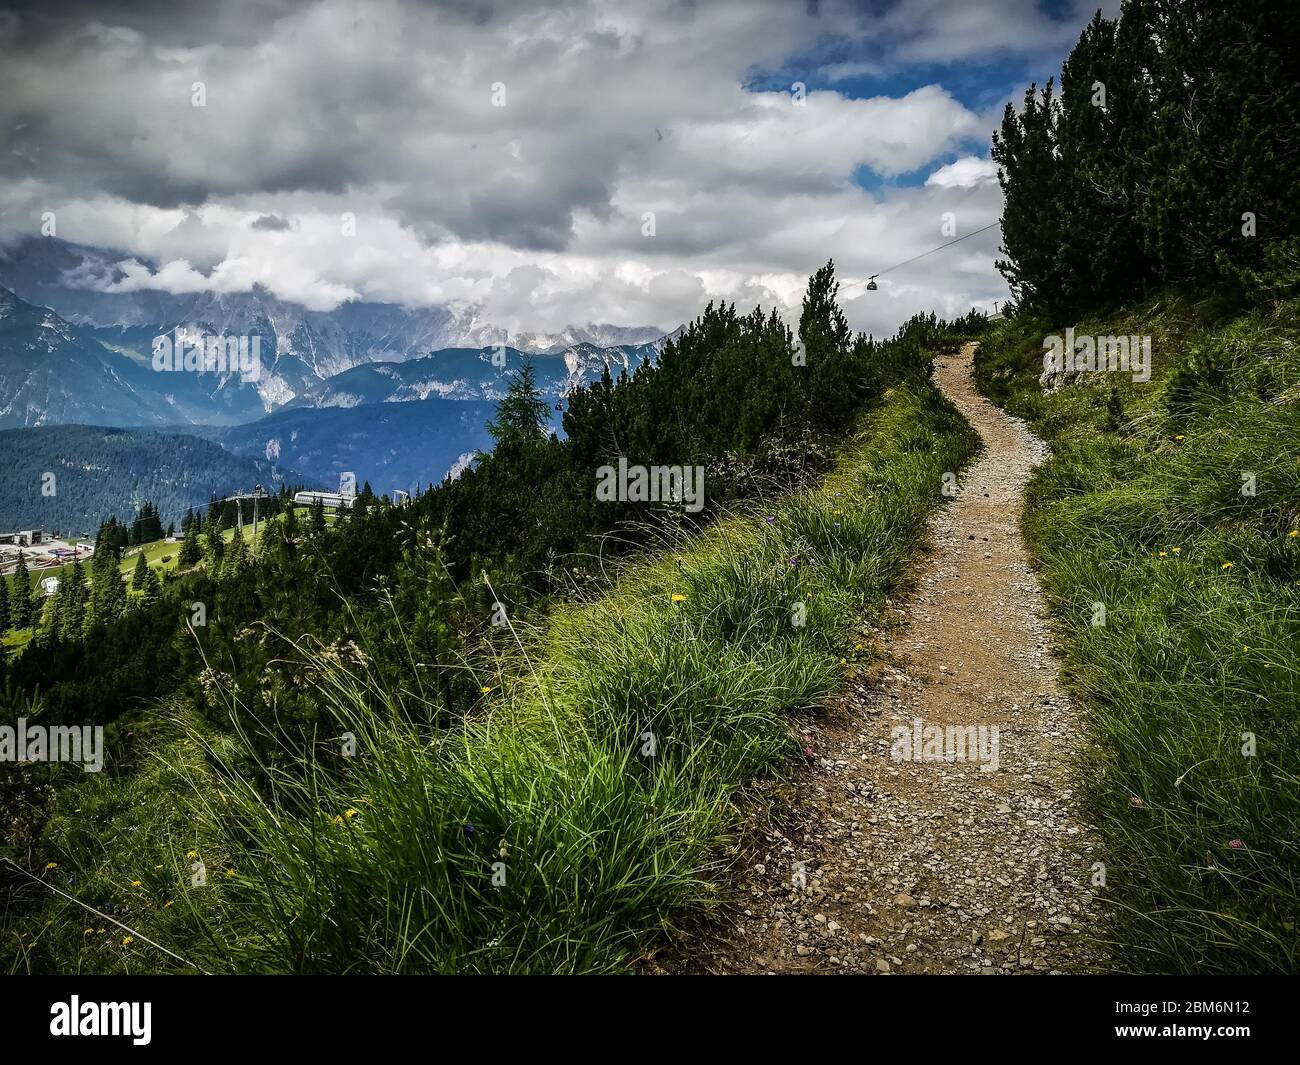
{"type": "Point", "coordinates": [300, 346]}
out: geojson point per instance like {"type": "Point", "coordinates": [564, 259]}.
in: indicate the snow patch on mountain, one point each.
{"type": "Point", "coordinates": [461, 465]}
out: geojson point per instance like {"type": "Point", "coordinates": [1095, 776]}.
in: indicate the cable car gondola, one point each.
{"type": "Point", "coordinates": [871, 285]}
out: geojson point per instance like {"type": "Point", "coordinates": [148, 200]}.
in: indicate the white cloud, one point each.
{"type": "Point", "coordinates": [964, 173]}
{"type": "Point", "coordinates": [531, 215]}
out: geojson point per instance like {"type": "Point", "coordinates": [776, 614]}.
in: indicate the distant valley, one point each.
{"type": "Point", "coordinates": [97, 472]}
{"type": "Point", "coordinates": [401, 397]}
{"type": "Point", "coordinates": [392, 446]}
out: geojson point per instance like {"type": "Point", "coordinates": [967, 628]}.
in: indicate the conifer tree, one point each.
{"type": "Point", "coordinates": [20, 607]}
{"type": "Point", "coordinates": [140, 575]}
{"type": "Point", "coordinates": [152, 588]}
{"type": "Point", "coordinates": [827, 341]}
{"type": "Point", "coordinates": [191, 552]}
{"type": "Point", "coordinates": [523, 415]}
{"type": "Point", "coordinates": [72, 608]}
{"type": "Point", "coordinates": [212, 531]}
{"type": "Point", "coordinates": [317, 518]}
{"type": "Point", "coordinates": [237, 558]}
{"type": "Point", "coordinates": [1168, 157]}
{"type": "Point", "coordinates": [107, 592]}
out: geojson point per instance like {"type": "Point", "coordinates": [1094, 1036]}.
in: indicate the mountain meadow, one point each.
{"type": "Point", "coordinates": [509, 724]}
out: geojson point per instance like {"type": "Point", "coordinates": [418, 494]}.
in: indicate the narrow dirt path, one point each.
{"type": "Point", "coordinates": [874, 862]}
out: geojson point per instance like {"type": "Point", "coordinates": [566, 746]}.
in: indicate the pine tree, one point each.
{"type": "Point", "coordinates": [152, 588]}
{"type": "Point", "coordinates": [1025, 151]}
{"type": "Point", "coordinates": [147, 526]}
{"type": "Point", "coordinates": [107, 592]}
{"type": "Point", "coordinates": [1100, 136]}
{"type": "Point", "coordinates": [523, 415]}
{"type": "Point", "coordinates": [212, 530]}
{"type": "Point", "coordinates": [191, 552]}
{"type": "Point", "coordinates": [56, 607]}
{"type": "Point", "coordinates": [1168, 158]}
{"type": "Point", "coordinates": [237, 558]}
{"type": "Point", "coordinates": [827, 341]}
{"type": "Point", "coordinates": [72, 606]}
{"type": "Point", "coordinates": [4, 605]}
{"type": "Point", "coordinates": [317, 518]}
{"type": "Point", "coordinates": [61, 619]}
{"type": "Point", "coordinates": [21, 607]}
{"type": "Point", "coordinates": [140, 575]}
{"type": "Point", "coordinates": [46, 612]}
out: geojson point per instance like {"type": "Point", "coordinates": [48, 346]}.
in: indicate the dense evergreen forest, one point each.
{"type": "Point", "coordinates": [1166, 155]}
{"type": "Point", "coordinates": [69, 478]}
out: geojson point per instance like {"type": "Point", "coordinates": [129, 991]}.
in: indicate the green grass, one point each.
{"type": "Point", "coordinates": [1140, 508]}
{"type": "Point", "coordinates": [384, 862]}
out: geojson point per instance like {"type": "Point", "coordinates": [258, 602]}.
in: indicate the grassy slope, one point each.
{"type": "Point", "coordinates": [388, 866]}
{"type": "Point", "coordinates": [1141, 508]}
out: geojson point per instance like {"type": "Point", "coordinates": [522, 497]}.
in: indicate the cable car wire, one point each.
{"type": "Point", "coordinates": [906, 262]}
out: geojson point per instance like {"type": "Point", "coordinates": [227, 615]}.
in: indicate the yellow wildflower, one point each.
{"type": "Point", "coordinates": [127, 940]}
{"type": "Point", "coordinates": [1226, 565]}
{"type": "Point", "coordinates": [486, 689]}
{"type": "Point", "coordinates": [678, 597]}
{"type": "Point", "coordinates": [51, 865]}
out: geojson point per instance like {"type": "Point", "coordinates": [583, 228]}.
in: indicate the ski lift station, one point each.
{"type": "Point", "coordinates": [340, 500]}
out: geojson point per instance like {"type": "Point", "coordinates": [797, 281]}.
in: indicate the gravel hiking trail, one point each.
{"type": "Point", "coordinates": [868, 863]}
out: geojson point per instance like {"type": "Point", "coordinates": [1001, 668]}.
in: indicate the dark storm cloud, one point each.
{"type": "Point", "coordinates": [271, 223]}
